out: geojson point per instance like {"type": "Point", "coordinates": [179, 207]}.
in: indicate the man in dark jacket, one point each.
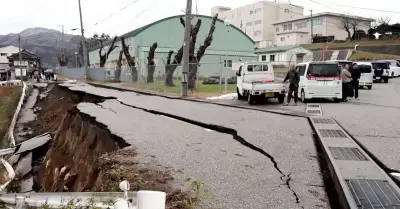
{"type": "Point", "coordinates": [294, 79]}
{"type": "Point", "coordinates": [355, 76]}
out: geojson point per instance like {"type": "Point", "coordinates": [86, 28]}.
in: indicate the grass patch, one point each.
{"type": "Point", "coordinates": [360, 55]}
{"type": "Point", "coordinates": [351, 44]}
{"type": "Point", "coordinates": [9, 98]}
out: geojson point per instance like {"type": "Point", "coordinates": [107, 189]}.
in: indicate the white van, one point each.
{"type": "Point", "coordinates": [367, 76]}
{"type": "Point", "coordinates": [320, 80]}
{"type": "Point", "coordinates": [394, 70]}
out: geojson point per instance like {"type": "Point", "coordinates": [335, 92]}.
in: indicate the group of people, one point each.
{"type": "Point", "coordinates": [350, 81]}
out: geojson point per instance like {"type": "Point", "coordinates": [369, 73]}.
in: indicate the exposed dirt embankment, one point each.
{"type": "Point", "coordinates": [71, 164]}
{"type": "Point", "coordinates": [85, 156]}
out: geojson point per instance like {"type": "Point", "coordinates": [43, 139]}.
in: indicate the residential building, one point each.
{"type": "Point", "coordinates": [7, 51]}
{"type": "Point", "coordinates": [283, 56]}
{"type": "Point", "coordinates": [29, 62]}
{"type": "Point", "coordinates": [229, 45]}
{"type": "Point", "coordinates": [257, 19]}
{"type": "Point", "coordinates": [298, 30]}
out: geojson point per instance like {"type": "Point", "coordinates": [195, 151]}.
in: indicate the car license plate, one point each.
{"type": "Point", "coordinates": [378, 78]}
{"type": "Point", "coordinates": [361, 84]}
{"type": "Point", "coordinates": [269, 94]}
{"type": "Point", "coordinates": [323, 82]}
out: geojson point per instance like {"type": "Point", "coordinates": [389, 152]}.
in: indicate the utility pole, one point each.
{"type": "Point", "coordinates": [312, 25]}
{"type": "Point", "coordinates": [20, 57]}
{"type": "Point", "coordinates": [186, 48]}
{"type": "Point", "coordinates": [83, 42]}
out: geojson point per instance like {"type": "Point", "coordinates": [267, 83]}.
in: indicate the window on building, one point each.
{"type": "Point", "coordinates": [272, 57]}
{"type": "Point", "coordinates": [317, 21]}
{"type": "Point", "coordinates": [301, 25]}
{"type": "Point", "coordinates": [277, 29]}
{"type": "Point", "coordinates": [287, 26]}
{"type": "Point", "coordinates": [227, 63]}
{"type": "Point", "coordinates": [248, 23]}
{"type": "Point", "coordinates": [257, 10]}
{"type": "Point", "coordinates": [257, 33]}
{"type": "Point", "coordinates": [257, 22]}
{"type": "Point", "coordinates": [3, 54]}
{"type": "Point", "coordinates": [251, 12]}
{"type": "Point", "coordinates": [263, 57]}
{"type": "Point", "coordinates": [282, 38]}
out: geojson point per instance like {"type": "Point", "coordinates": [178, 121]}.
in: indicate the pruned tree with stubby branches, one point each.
{"type": "Point", "coordinates": [130, 60]}
{"type": "Point", "coordinates": [104, 57]}
{"type": "Point", "coordinates": [64, 57]}
{"type": "Point", "coordinates": [151, 65]}
{"type": "Point", "coordinates": [119, 66]}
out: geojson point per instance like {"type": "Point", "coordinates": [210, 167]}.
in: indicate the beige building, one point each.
{"type": "Point", "coordinates": [257, 19]}
{"type": "Point", "coordinates": [7, 51]}
{"type": "Point", "coordinates": [298, 30]}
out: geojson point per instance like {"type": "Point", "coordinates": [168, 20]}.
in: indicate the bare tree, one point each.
{"type": "Point", "coordinates": [104, 57]}
{"type": "Point", "coordinates": [346, 25]}
{"type": "Point", "coordinates": [119, 66]}
{"type": "Point", "coordinates": [151, 65]}
{"type": "Point", "coordinates": [170, 68]}
{"type": "Point", "coordinates": [129, 59]}
{"type": "Point", "coordinates": [200, 52]}
{"type": "Point", "coordinates": [354, 25]}
{"type": "Point", "coordinates": [64, 57]}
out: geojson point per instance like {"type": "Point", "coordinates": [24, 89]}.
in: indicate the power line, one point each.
{"type": "Point", "coordinates": [111, 15]}
{"type": "Point", "coordinates": [370, 9]}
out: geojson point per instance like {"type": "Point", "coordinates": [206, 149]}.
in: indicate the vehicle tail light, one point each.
{"type": "Point", "coordinates": [268, 80]}
{"type": "Point", "coordinates": [309, 77]}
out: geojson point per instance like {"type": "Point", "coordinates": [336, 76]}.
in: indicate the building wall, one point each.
{"type": "Point", "coordinates": [256, 20]}
{"type": "Point", "coordinates": [169, 34]}
{"type": "Point", "coordinates": [322, 25]}
{"type": "Point", "coordinates": [285, 58]}
{"type": "Point", "coordinates": [291, 38]}
{"type": "Point", "coordinates": [7, 51]}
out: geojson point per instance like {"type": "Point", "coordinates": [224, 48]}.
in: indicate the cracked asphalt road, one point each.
{"type": "Point", "coordinates": [372, 120]}
{"type": "Point", "coordinates": [238, 176]}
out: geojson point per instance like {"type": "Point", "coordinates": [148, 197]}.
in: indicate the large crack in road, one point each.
{"type": "Point", "coordinates": [221, 129]}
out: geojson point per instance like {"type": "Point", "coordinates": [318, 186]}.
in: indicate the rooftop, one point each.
{"type": "Point", "coordinates": [277, 49]}
{"type": "Point", "coordinates": [325, 14]}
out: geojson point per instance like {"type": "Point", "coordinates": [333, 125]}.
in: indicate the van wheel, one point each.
{"type": "Point", "coordinates": [336, 100]}
{"type": "Point", "coordinates": [281, 98]}
{"type": "Point", "coordinates": [239, 96]}
{"type": "Point", "coordinates": [303, 96]}
{"type": "Point", "coordinates": [250, 98]}
{"type": "Point", "coordinates": [369, 87]}
{"type": "Point", "coordinates": [386, 80]}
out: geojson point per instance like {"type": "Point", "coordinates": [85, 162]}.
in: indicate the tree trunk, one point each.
{"type": "Point", "coordinates": [130, 60]}
{"type": "Point", "coordinates": [119, 66]}
{"type": "Point", "coordinates": [200, 53]}
{"type": "Point", "coordinates": [170, 68]}
{"type": "Point", "coordinates": [104, 57]}
{"type": "Point", "coordinates": [151, 65]}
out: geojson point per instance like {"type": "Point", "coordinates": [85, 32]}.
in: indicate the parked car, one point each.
{"type": "Point", "coordinates": [367, 75]}
{"type": "Point", "coordinates": [320, 80]}
{"type": "Point", "coordinates": [394, 68]}
{"type": "Point", "coordinates": [381, 71]}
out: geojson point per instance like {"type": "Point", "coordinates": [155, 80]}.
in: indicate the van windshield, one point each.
{"type": "Point", "coordinates": [323, 70]}
{"type": "Point", "coordinates": [365, 68]}
{"type": "Point", "coordinates": [380, 65]}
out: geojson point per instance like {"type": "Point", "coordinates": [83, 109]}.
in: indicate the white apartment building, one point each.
{"type": "Point", "coordinates": [298, 31]}
{"type": "Point", "coordinates": [257, 19]}
{"type": "Point", "coordinates": [7, 51]}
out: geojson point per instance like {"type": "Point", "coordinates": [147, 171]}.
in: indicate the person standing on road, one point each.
{"type": "Point", "coordinates": [294, 79]}
{"type": "Point", "coordinates": [355, 75]}
{"type": "Point", "coordinates": [346, 79]}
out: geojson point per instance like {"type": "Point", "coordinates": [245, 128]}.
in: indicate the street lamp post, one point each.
{"type": "Point", "coordinates": [76, 59]}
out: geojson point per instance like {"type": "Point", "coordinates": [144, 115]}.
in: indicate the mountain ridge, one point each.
{"type": "Point", "coordinates": [43, 42]}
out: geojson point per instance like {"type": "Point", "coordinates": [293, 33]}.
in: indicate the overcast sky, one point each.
{"type": "Point", "coordinates": [99, 15]}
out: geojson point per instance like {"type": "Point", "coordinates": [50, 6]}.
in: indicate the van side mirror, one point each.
{"type": "Point", "coordinates": [237, 74]}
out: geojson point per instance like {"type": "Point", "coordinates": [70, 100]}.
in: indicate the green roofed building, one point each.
{"type": "Point", "coordinates": [229, 45]}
